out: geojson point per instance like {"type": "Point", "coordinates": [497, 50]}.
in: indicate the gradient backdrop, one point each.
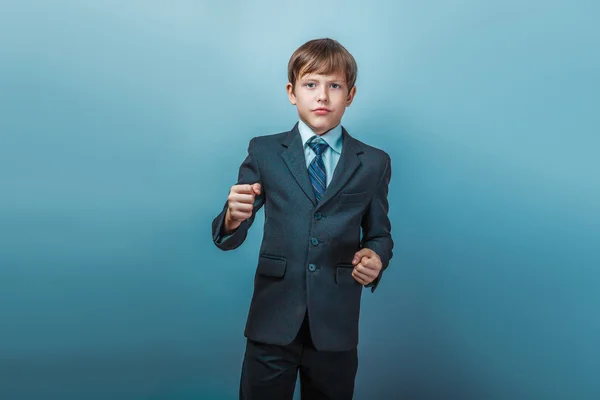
{"type": "Point", "coordinates": [122, 127]}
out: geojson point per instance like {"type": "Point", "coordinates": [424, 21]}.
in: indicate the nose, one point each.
{"type": "Point", "coordinates": [322, 95]}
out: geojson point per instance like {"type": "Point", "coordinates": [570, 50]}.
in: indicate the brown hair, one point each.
{"type": "Point", "coordinates": [324, 56]}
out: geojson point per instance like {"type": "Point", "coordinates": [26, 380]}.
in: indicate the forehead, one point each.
{"type": "Point", "coordinates": [324, 77]}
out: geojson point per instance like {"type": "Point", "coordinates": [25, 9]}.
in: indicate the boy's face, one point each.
{"type": "Point", "coordinates": [321, 100]}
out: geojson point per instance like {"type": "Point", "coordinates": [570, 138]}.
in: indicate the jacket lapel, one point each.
{"type": "Point", "coordinates": [345, 169]}
{"type": "Point", "coordinates": [296, 162]}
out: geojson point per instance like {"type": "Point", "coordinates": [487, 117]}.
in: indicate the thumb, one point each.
{"type": "Point", "coordinates": [256, 188]}
{"type": "Point", "coordinates": [359, 255]}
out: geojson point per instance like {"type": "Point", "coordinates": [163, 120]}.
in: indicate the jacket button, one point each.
{"type": "Point", "coordinates": [312, 267]}
{"type": "Point", "coordinates": [314, 241]}
{"type": "Point", "coordinates": [318, 216]}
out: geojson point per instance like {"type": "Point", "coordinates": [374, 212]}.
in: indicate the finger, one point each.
{"type": "Point", "coordinates": [362, 269]}
{"type": "Point", "coordinates": [357, 256]}
{"type": "Point", "coordinates": [242, 198]}
{"type": "Point", "coordinates": [370, 263]}
{"type": "Point", "coordinates": [256, 188]}
{"type": "Point", "coordinates": [360, 278]}
{"type": "Point", "coordinates": [361, 274]}
{"type": "Point", "coordinates": [243, 189]}
{"type": "Point", "coordinates": [240, 215]}
{"type": "Point", "coordinates": [360, 254]}
{"type": "Point", "coordinates": [243, 207]}
{"type": "Point", "coordinates": [369, 273]}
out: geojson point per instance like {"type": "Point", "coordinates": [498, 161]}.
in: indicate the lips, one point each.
{"type": "Point", "coordinates": [321, 111]}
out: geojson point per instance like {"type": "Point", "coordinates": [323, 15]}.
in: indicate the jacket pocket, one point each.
{"type": "Point", "coordinates": [343, 274]}
{"type": "Point", "coordinates": [346, 198]}
{"type": "Point", "coordinates": [272, 266]}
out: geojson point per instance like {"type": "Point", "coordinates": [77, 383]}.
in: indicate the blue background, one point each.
{"type": "Point", "coordinates": [122, 127]}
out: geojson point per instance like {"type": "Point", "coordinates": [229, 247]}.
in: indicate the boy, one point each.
{"type": "Point", "coordinates": [320, 187]}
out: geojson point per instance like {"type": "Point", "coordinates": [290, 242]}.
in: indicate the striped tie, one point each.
{"type": "Point", "coordinates": [316, 169]}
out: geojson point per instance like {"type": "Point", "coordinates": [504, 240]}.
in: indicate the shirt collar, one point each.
{"type": "Point", "coordinates": [333, 137]}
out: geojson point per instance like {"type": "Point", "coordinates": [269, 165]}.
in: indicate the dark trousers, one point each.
{"type": "Point", "coordinates": [269, 372]}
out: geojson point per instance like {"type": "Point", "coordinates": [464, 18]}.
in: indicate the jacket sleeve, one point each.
{"type": "Point", "coordinates": [376, 224]}
{"type": "Point", "coordinates": [248, 174]}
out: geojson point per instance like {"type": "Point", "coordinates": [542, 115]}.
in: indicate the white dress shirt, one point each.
{"type": "Point", "coordinates": [331, 155]}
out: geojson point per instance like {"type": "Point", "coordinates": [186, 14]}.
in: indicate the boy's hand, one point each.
{"type": "Point", "coordinates": [240, 205]}
{"type": "Point", "coordinates": [367, 265]}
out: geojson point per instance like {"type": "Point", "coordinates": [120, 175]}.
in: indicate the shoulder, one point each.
{"type": "Point", "coordinates": [269, 139]}
{"type": "Point", "coordinates": [372, 153]}
{"type": "Point", "coordinates": [264, 145]}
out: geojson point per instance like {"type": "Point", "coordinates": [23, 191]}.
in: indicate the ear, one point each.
{"type": "Point", "coordinates": [350, 96]}
{"type": "Point", "coordinates": [290, 92]}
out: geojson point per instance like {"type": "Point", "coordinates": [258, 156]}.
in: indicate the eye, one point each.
{"type": "Point", "coordinates": [335, 85]}
{"type": "Point", "coordinates": [310, 85]}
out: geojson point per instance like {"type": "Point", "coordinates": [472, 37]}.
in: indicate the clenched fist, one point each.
{"type": "Point", "coordinates": [240, 205]}
{"type": "Point", "coordinates": [367, 265]}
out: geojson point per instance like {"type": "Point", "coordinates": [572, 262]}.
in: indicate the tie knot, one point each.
{"type": "Point", "coordinates": [318, 145]}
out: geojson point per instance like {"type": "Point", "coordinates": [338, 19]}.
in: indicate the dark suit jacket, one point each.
{"type": "Point", "coordinates": [305, 259]}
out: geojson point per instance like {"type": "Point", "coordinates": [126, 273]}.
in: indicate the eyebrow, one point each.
{"type": "Point", "coordinates": [329, 81]}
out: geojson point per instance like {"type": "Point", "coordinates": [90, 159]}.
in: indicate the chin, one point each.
{"type": "Point", "coordinates": [321, 129]}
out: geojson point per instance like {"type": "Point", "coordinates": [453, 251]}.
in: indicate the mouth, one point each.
{"type": "Point", "coordinates": [321, 111]}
